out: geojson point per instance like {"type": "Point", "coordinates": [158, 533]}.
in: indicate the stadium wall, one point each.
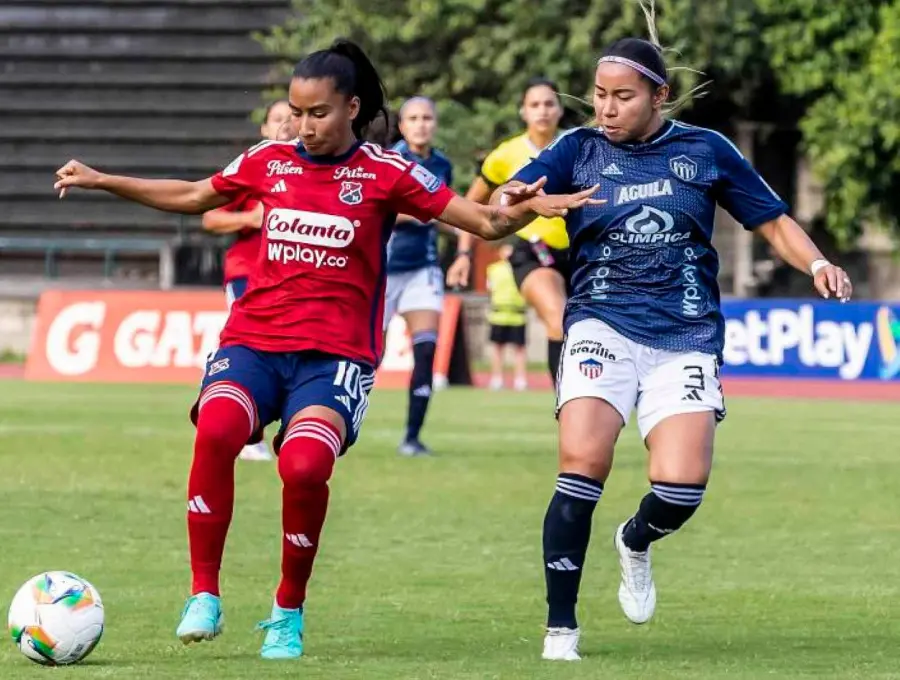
{"type": "Point", "coordinates": [166, 337]}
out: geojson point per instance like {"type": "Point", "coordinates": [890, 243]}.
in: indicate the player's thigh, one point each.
{"type": "Point", "coordinates": [322, 384]}
{"type": "Point", "coordinates": [596, 392]}
{"type": "Point", "coordinates": [422, 296]}
{"type": "Point", "coordinates": [255, 372]}
{"type": "Point", "coordinates": [681, 448]}
{"type": "Point", "coordinates": [392, 292]}
{"type": "Point", "coordinates": [545, 289]}
{"type": "Point", "coordinates": [588, 430]}
{"type": "Point", "coordinates": [421, 321]}
{"type": "Point", "coordinates": [681, 403]}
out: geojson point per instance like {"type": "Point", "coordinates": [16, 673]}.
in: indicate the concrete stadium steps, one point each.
{"type": "Point", "coordinates": [152, 153]}
{"type": "Point", "coordinates": [180, 125]}
{"type": "Point", "coordinates": [197, 18]}
{"type": "Point", "coordinates": [168, 69]}
{"type": "Point", "coordinates": [154, 88]}
{"type": "Point", "coordinates": [101, 97]}
{"type": "Point", "coordinates": [82, 209]}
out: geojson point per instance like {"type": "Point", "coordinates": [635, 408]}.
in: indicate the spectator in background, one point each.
{"type": "Point", "coordinates": [507, 319]}
{"type": "Point", "coordinates": [243, 217]}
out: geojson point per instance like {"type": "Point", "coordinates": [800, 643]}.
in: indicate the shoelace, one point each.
{"type": "Point", "coordinates": [284, 632]}
{"type": "Point", "coordinates": [638, 571]}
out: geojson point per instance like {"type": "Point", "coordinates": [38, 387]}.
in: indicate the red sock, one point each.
{"type": "Point", "coordinates": [305, 463]}
{"type": "Point", "coordinates": [224, 424]}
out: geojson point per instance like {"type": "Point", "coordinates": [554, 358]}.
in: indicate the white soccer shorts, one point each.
{"type": "Point", "coordinates": [599, 362]}
{"type": "Point", "coordinates": [420, 289]}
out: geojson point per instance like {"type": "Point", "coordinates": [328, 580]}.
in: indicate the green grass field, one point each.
{"type": "Point", "coordinates": [431, 568]}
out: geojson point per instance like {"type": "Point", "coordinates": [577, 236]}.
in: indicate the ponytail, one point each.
{"type": "Point", "coordinates": [353, 74]}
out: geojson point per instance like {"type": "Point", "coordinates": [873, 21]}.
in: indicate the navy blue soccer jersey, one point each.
{"type": "Point", "coordinates": [644, 262]}
{"type": "Point", "coordinates": [413, 245]}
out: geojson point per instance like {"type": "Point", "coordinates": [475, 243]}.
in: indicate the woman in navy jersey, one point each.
{"type": "Point", "coordinates": [243, 218]}
{"type": "Point", "coordinates": [415, 283]}
{"type": "Point", "coordinates": [644, 328]}
{"type": "Point", "coordinates": [302, 343]}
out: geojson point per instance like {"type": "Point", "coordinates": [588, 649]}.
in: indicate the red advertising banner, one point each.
{"type": "Point", "coordinates": [125, 336]}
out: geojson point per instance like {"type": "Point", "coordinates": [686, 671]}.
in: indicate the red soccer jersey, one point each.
{"type": "Point", "coordinates": [241, 256]}
{"type": "Point", "coordinates": [318, 283]}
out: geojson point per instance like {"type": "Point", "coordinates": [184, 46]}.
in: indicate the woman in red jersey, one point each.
{"type": "Point", "coordinates": [243, 217]}
{"type": "Point", "coordinates": [302, 344]}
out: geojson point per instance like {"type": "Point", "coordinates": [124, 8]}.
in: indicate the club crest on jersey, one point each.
{"type": "Point", "coordinates": [683, 168]}
{"type": "Point", "coordinates": [351, 193]}
{"type": "Point", "coordinates": [639, 192]}
{"type": "Point", "coordinates": [591, 369]}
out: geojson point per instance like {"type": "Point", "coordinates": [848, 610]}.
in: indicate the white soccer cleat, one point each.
{"type": "Point", "coordinates": [561, 644]}
{"type": "Point", "coordinates": [520, 385]}
{"type": "Point", "coordinates": [258, 451]}
{"type": "Point", "coordinates": [637, 592]}
{"type": "Point", "coordinates": [496, 383]}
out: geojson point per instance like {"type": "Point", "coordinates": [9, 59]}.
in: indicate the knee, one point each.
{"type": "Point", "coordinates": [220, 434]}
{"type": "Point", "coordinates": [554, 327]}
{"type": "Point", "coordinates": [585, 458]}
{"type": "Point", "coordinates": [300, 467]}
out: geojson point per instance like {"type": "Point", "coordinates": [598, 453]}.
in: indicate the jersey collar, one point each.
{"type": "Point", "coordinates": [327, 160]}
{"type": "Point", "coordinates": [660, 134]}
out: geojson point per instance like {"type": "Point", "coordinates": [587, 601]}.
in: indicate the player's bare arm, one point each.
{"type": "Point", "coordinates": [492, 222]}
{"type": "Point", "coordinates": [171, 195]}
{"type": "Point", "coordinates": [221, 221]}
{"type": "Point", "coordinates": [794, 246]}
{"type": "Point", "coordinates": [458, 274]}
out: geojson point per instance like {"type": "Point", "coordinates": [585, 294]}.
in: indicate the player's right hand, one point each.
{"type": "Point", "coordinates": [75, 174]}
{"type": "Point", "coordinates": [458, 273]}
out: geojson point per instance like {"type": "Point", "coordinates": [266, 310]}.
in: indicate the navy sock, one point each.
{"type": "Point", "coordinates": [567, 531]}
{"type": "Point", "coordinates": [662, 512]}
{"type": "Point", "coordinates": [424, 345]}
{"type": "Point", "coordinates": [554, 350]}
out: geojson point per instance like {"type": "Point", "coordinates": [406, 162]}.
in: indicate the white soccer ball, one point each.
{"type": "Point", "coordinates": [56, 618]}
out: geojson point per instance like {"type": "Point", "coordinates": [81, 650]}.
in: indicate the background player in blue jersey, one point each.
{"type": "Point", "coordinates": [643, 324]}
{"type": "Point", "coordinates": [415, 283]}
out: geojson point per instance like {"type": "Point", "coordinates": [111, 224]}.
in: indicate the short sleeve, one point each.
{"type": "Point", "coordinates": [240, 176]}
{"type": "Point", "coordinates": [419, 193]}
{"type": "Point", "coordinates": [493, 168]}
{"type": "Point", "coordinates": [741, 190]}
{"type": "Point", "coordinates": [556, 163]}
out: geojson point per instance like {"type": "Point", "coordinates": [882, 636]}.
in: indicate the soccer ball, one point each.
{"type": "Point", "coordinates": [56, 618]}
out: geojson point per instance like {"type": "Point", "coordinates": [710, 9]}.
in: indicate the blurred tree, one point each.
{"type": "Point", "coordinates": [474, 56]}
{"type": "Point", "coordinates": [841, 57]}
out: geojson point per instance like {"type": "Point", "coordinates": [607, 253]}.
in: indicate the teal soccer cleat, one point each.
{"type": "Point", "coordinates": [284, 634]}
{"type": "Point", "coordinates": [201, 619]}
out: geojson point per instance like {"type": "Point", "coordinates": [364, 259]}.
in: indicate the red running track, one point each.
{"type": "Point", "coordinates": [861, 390]}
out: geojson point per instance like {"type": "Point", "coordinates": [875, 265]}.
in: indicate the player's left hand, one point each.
{"type": "Point", "coordinates": [559, 205]}
{"type": "Point", "coordinates": [514, 192]}
{"type": "Point", "coordinates": [832, 281]}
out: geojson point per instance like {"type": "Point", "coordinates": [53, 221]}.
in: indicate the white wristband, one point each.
{"type": "Point", "coordinates": [817, 265]}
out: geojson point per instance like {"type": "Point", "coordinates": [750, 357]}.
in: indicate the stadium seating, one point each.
{"type": "Point", "coordinates": [160, 88]}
